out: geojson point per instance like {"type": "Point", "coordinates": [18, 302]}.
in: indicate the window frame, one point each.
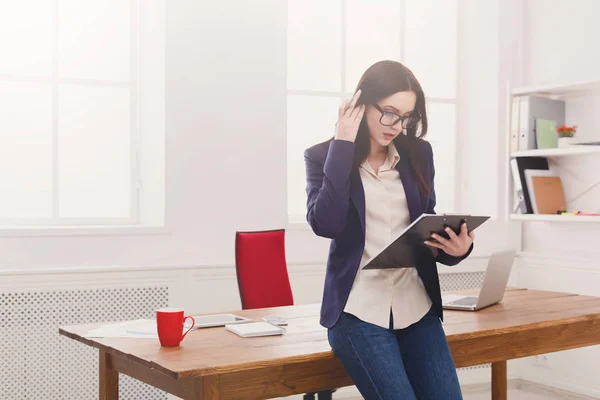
{"type": "Point", "coordinates": [62, 225]}
{"type": "Point", "coordinates": [297, 221]}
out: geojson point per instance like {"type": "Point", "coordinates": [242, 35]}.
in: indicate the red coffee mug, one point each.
{"type": "Point", "coordinates": [169, 322]}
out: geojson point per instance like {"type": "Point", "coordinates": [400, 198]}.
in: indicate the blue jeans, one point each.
{"type": "Point", "coordinates": [410, 363]}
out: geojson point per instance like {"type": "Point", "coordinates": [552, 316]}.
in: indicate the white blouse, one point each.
{"type": "Point", "coordinates": [375, 292]}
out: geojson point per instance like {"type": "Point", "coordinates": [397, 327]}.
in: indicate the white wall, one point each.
{"type": "Point", "coordinates": [561, 39]}
{"type": "Point", "coordinates": [560, 47]}
{"type": "Point", "coordinates": [225, 148]}
{"type": "Point", "coordinates": [565, 55]}
{"type": "Point", "coordinates": [478, 97]}
{"type": "Point", "coordinates": [226, 166]}
{"type": "Point", "coordinates": [533, 42]}
{"type": "Point", "coordinates": [226, 144]}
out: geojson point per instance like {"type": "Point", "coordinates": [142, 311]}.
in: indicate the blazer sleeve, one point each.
{"type": "Point", "coordinates": [328, 189]}
{"type": "Point", "coordinates": [442, 257]}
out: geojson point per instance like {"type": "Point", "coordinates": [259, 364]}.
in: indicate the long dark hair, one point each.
{"type": "Point", "coordinates": [381, 80]}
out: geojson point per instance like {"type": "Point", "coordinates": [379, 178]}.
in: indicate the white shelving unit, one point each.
{"type": "Point", "coordinates": [559, 91]}
{"type": "Point", "coordinates": [573, 150]}
{"type": "Point", "coordinates": [554, 218]}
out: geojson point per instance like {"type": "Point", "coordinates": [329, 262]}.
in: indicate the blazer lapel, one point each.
{"type": "Point", "coordinates": [411, 188]}
{"type": "Point", "coordinates": [357, 195]}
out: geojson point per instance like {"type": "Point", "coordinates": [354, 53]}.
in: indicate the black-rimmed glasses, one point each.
{"type": "Point", "coordinates": [389, 118]}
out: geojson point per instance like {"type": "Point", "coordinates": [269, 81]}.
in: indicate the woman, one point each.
{"type": "Point", "coordinates": [364, 187]}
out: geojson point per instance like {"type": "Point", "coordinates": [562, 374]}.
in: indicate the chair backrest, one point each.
{"type": "Point", "coordinates": [261, 268]}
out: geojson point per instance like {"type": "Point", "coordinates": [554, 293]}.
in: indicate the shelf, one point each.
{"type": "Point", "coordinates": [558, 90]}
{"type": "Point", "coordinates": [572, 150]}
{"type": "Point", "coordinates": [554, 218]}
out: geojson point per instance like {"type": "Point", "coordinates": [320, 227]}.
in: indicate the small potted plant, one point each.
{"type": "Point", "coordinates": [565, 135]}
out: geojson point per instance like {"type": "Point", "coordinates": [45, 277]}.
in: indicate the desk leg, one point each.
{"type": "Point", "coordinates": [203, 388]}
{"type": "Point", "coordinates": [499, 380]}
{"type": "Point", "coordinates": [109, 378]}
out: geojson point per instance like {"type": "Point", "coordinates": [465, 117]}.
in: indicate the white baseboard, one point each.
{"type": "Point", "coordinates": [566, 389]}
{"type": "Point", "coordinates": [522, 386]}
{"type": "Point", "coordinates": [570, 377]}
{"type": "Point", "coordinates": [474, 376]}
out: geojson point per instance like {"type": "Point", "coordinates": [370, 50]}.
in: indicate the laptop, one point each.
{"type": "Point", "coordinates": [493, 288]}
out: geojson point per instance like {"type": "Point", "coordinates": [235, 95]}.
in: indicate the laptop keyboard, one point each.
{"type": "Point", "coordinates": [465, 301]}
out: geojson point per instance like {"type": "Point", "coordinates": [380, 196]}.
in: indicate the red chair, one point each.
{"type": "Point", "coordinates": [261, 269]}
{"type": "Point", "coordinates": [262, 275]}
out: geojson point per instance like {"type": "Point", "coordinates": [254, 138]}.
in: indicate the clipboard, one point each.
{"type": "Point", "coordinates": [409, 250]}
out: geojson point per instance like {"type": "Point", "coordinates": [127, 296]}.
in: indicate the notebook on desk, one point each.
{"type": "Point", "coordinates": [254, 329]}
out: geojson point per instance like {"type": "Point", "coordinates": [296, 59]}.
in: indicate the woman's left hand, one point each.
{"type": "Point", "coordinates": [456, 245]}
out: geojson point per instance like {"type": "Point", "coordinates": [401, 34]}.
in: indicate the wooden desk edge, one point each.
{"type": "Point", "coordinates": [519, 328]}
{"type": "Point", "coordinates": [459, 339]}
{"type": "Point", "coordinates": [203, 372]}
{"type": "Point", "coordinates": [292, 375]}
{"type": "Point", "coordinates": [544, 338]}
{"type": "Point", "coordinates": [119, 354]}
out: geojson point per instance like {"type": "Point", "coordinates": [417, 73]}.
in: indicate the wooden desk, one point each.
{"type": "Point", "coordinates": [216, 364]}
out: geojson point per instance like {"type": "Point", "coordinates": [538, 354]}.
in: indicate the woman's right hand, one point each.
{"type": "Point", "coordinates": [349, 118]}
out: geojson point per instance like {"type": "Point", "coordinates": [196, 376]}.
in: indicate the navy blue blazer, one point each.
{"type": "Point", "coordinates": [336, 210]}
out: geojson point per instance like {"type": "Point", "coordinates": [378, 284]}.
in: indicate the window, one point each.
{"type": "Point", "coordinates": [77, 82]}
{"type": "Point", "coordinates": [331, 44]}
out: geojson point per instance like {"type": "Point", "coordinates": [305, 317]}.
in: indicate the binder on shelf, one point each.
{"type": "Point", "coordinates": [525, 141]}
{"type": "Point", "coordinates": [514, 124]}
{"type": "Point", "coordinates": [518, 187]}
{"type": "Point", "coordinates": [546, 135]}
{"type": "Point", "coordinates": [535, 107]}
{"type": "Point", "coordinates": [524, 163]}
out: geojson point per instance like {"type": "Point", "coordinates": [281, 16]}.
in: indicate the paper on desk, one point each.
{"type": "Point", "coordinates": [139, 329]}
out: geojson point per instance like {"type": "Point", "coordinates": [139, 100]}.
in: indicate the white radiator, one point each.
{"type": "Point", "coordinates": [463, 281]}
{"type": "Point", "coordinates": [38, 363]}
